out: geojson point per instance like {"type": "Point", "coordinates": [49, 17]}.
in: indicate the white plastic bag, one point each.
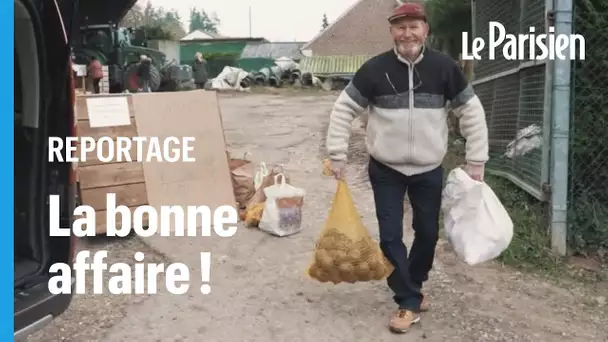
{"type": "Point", "coordinates": [259, 176]}
{"type": "Point", "coordinates": [476, 224]}
{"type": "Point", "coordinates": [282, 214]}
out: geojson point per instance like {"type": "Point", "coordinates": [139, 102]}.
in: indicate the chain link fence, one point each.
{"type": "Point", "coordinates": [588, 161]}
{"type": "Point", "coordinates": [516, 99]}
{"type": "Point", "coordinates": [512, 92]}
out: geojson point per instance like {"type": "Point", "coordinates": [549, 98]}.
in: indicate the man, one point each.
{"type": "Point", "coordinates": [143, 72]}
{"type": "Point", "coordinates": [199, 69]}
{"type": "Point", "coordinates": [95, 72]}
{"type": "Point", "coordinates": [406, 90]}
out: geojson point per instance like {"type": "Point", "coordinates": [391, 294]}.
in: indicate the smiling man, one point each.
{"type": "Point", "coordinates": [406, 90]}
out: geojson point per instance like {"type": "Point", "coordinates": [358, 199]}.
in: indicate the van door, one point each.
{"type": "Point", "coordinates": [43, 108]}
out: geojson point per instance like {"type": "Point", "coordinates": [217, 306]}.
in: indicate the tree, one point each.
{"type": "Point", "coordinates": [151, 22]}
{"type": "Point", "coordinates": [447, 20]}
{"type": "Point", "coordinates": [172, 22]}
{"type": "Point", "coordinates": [201, 20]}
{"type": "Point", "coordinates": [134, 17]}
{"type": "Point", "coordinates": [324, 22]}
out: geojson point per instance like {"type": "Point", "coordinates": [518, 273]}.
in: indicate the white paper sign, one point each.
{"type": "Point", "coordinates": [108, 111]}
{"type": "Point", "coordinates": [80, 69]}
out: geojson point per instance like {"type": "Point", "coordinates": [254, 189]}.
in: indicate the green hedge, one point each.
{"type": "Point", "coordinates": [588, 202]}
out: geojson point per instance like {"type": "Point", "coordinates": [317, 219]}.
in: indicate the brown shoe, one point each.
{"type": "Point", "coordinates": [402, 320]}
{"type": "Point", "coordinates": [425, 305]}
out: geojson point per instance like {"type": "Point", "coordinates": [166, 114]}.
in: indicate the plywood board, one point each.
{"type": "Point", "coordinates": [195, 114]}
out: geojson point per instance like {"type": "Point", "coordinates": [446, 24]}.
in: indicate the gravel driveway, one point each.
{"type": "Point", "coordinates": [259, 288]}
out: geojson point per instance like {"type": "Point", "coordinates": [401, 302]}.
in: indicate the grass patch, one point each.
{"type": "Point", "coordinates": [530, 247]}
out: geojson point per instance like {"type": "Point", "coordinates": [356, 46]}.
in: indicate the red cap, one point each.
{"type": "Point", "coordinates": [408, 10]}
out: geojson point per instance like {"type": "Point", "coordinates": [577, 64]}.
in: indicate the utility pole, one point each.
{"type": "Point", "coordinates": [250, 36]}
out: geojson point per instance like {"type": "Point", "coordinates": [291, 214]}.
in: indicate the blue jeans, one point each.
{"type": "Point", "coordinates": [145, 85]}
{"type": "Point", "coordinates": [424, 192]}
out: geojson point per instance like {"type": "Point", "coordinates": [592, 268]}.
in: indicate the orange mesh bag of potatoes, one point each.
{"type": "Point", "coordinates": [345, 251]}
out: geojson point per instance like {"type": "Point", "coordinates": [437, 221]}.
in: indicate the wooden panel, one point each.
{"type": "Point", "coordinates": [101, 219]}
{"type": "Point", "coordinates": [85, 130]}
{"type": "Point", "coordinates": [110, 175]}
{"type": "Point", "coordinates": [131, 195]}
{"type": "Point", "coordinates": [195, 114]}
{"type": "Point", "coordinates": [81, 104]}
{"type": "Point", "coordinates": [93, 160]}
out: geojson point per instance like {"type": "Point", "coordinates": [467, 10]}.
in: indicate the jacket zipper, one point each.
{"type": "Point", "coordinates": [411, 109]}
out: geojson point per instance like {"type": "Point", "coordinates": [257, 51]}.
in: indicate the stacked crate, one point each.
{"type": "Point", "coordinates": [104, 84]}
{"type": "Point", "coordinates": [83, 82]}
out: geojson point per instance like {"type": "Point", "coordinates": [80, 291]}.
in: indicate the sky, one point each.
{"type": "Point", "coordinates": [275, 20]}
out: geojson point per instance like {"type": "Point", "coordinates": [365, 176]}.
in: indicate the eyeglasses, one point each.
{"type": "Point", "coordinates": [416, 75]}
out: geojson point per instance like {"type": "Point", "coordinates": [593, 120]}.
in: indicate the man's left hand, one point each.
{"type": "Point", "coordinates": [475, 171]}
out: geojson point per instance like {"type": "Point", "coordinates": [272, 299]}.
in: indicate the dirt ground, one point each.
{"type": "Point", "coordinates": [260, 291]}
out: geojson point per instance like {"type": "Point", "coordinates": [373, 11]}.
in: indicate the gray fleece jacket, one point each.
{"type": "Point", "coordinates": [407, 126]}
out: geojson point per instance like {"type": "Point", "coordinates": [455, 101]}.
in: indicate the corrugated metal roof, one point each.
{"type": "Point", "coordinates": [272, 50]}
{"type": "Point", "coordinates": [332, 65]}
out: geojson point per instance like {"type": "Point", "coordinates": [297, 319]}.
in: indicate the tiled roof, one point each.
{"type": "Point", "coordinates": [361, 30]}
{"type": "Point", "coordinates": [332, 65]}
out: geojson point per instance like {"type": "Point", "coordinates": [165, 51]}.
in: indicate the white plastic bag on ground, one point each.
{"type": "Point", "coordinates": [259, 176]}
{"type": "Point", "coordinates": [282, 214]}
{"type": "Point", "coordinates": [476, 224]}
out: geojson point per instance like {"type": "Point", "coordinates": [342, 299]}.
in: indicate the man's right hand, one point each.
{"type": "Point", "coordinates": [338, 169]}
{"type": "Point", "coordinates": [334, 168]}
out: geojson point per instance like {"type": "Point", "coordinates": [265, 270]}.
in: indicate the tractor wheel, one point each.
{"type": "Point", "coordinates": [132, 83]}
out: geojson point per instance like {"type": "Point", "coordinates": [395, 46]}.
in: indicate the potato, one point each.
{"type": "Point", "coordinates": [312, 270]}
{"type": "Point", "coordinates": [379, 271]}
{"type": "Point", "coordinates": [323, 259]}
{"type": "Point", "coordinates": [346, 267]}
{"type": "Point", "coordinates": [317, 273]}
{"type": "Point", "coordinates": [323, 276]}
{"type": "Point", "coordinates": [335, 278]}
{"type": "Point", "coordinates": [338, 257]}
{"type": "Point", "coordinates": [349, 277]}
{"type": "Point", "coordinates": [363, 271]}
{"type": "Point", "coordinates": [354, 255]}
{"type": "Point", "coordinates": [327, 242]}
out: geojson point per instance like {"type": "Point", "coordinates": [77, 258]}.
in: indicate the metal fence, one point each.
{"type": "Point", "coordinates": [512, 91]}
{"type": "Point", "coordinates": [569, 169]}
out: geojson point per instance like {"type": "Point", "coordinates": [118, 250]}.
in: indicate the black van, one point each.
{"type": "Point", "coordinates": [44, 97]}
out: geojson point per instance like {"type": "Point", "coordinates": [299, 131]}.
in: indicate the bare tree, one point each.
{"type": "Point", "coordinates": [146, 15]}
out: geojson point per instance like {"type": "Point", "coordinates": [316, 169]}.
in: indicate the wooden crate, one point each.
{"type": "Point", "coordinates": [97, 178]}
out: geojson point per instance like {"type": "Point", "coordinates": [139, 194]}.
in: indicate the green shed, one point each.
{"type": "Point", "coordinates": [218, 52]}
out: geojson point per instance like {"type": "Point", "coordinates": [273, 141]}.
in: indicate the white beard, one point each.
{"type": "Point", "coordinates": [409, 51]}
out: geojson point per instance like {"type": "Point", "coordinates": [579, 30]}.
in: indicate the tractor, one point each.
{"type": "Point", "coordinates": [100, 35]}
